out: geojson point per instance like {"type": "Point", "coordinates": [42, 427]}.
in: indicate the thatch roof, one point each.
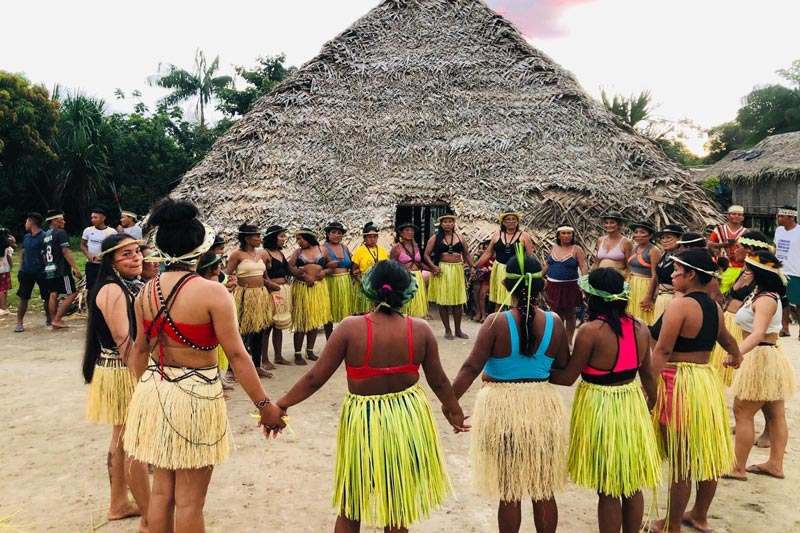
{"type": "Point", "coordinates": [775, 158]}
{"type": "Point", "coordinates": [426, 101]}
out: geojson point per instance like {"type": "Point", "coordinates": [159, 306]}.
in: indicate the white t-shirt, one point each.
{"type": "Point", "coordinates": [787, 249]}
{"type": "Point", "coordinates": [94, 239]}
{"type": "Point", "coordinates": [8, 253]}
{"type": "Point", "coordinates": [134, 231]}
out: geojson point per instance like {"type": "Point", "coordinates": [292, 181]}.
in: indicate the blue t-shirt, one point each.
{"type": "Point", "coordinates": [33, 262]}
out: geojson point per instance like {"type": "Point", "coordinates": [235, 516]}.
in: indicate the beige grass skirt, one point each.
{"type": "Point", "coordinates": [519, 441]}
{"type": "Point", "coordinates": [110, 392]}
{"type": "Point", "coordinates": [254, 308]}
{"type": "Point", "coordinates": [282, 318]}
{"type": "Point", "coordinates": [766, 375]}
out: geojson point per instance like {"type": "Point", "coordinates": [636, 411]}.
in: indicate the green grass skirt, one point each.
{"type": "Point", "coordinates": [497, 289]}
{"type": "Point", "coordinates": [612, 445]}
{"type": "Point", "coordinates": [311, 306]}
{"type": "Point", "coordinates": [342, 293]}
{"type": "Point", "coordinates": [389, 462]}
{"type": "Point", "coordinates": [450, 287]}
{"type": "Point", "coordinates": [418, 306]}
{"type": "Point", "coordinates": [639, 288]}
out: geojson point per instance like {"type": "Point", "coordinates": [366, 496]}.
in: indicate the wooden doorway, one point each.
{"type": "Point", "coordinates": [424, 216]}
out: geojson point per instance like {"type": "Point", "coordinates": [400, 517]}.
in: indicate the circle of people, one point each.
{"type": "Point", "coordinates": [666, 327]}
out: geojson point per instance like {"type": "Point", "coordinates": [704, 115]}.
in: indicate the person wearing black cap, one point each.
{"type": "Point", "coordinates": [364, 258]}
{"type": "Point", "coordinates": [661, 287]}
{"type": "Point", "coordinates": [642, 263]}
{"type": "Point", "coordinates": [91, 241]}
{"type": "Point", "coordinates": [341, 288]}
{"type": "Point", "coordinates": [408, 253]}
{"type": "Point", "coordinates": [613, 249]}
{"type": "Point", "coordinates": [280, 273]}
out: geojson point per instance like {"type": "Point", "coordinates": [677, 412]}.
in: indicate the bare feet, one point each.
{"type": "Point", "coordinates": [263, 373]}
{"type": "Point", "coordinates": [282, 361]}
{"type": "Point", "coordinates": [763, 441]}
{"type": "Point", "coordinates": [428, 317]}
{"type": "Point", "coordinates": [656, 526]}
{"type": "Point", "coordinates": [230, 376]}
{"type": "Point", "coordinates": [765, 469]}
{"type": "Point", "coordinates": [59, 325]}
{"type": "Point", "coordinates": [735, 477]}
{"type": "Point", "coordinates": [298, 359]}
{"type": "Point", "coordinates": [310, 355]}
{"type": "Point", "coordinates": [266, 365]}
{"type": "Point", "coordinates": [448, 335]}
{"type": "Point", "coordinates": [689, 520]}
{"type": "Point", "coordinates": [226, 387]}
{"type": "Point", "coordinates": [462, 335]}
{"type": "Point", "coordinates": [127, 511]}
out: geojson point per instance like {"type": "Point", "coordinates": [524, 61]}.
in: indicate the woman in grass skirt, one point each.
{"type": "Point", "coordinates": [661, 287]}
{"type": "Point", "coordinates": [765, 379]}
{"type": "Point", "coordinates": [389, 463]}
{"type": "Point", "coordinates": [446, 254]}
{"type": "Point", "coordinates": [519, 436]}
{"type": "Point", "coordinates": [341, 286]}
{"type": "Point", "coordinates": [501, 249]}
{"type": "Point", "coordinates": [109, 339]}
{"type": "Point", "coordinates": [177, 419]}
{"type": "Point", "coordinates": [690, 408]}
{"type": "Point", "coordinates": [409, 254]}
{"type": "Point", "coordinates": [642, 264]}
{"type": "Point", "coordinates": [311, 302]}
{"type": "Point", "coordinates": [565, 264]}
{"type": "Point", "coordinates": [612, 447]}
{"type": "Point", "coordinates": [366, 256]}
{"type": "Point", "coordinates": [279, 273]}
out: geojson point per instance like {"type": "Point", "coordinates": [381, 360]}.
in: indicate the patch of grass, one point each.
{"type": "Point", "coordinates": [35, 303]}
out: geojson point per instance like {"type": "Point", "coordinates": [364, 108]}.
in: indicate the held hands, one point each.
{"type": "Point", "coordinates": [456, 419]}
{"type": "Point", "coordinates": [77, 273]}
{"type": "Point", "coordinates": [270, 419]}
{"type": "Point", "coordinates": [646, 304]}
{"type": "Point", "coordinates": [732, 360]}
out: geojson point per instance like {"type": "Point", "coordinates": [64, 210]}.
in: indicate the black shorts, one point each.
{"type": "Point", "coordinates": [61, 284]}
{"type": "Point", "coordinates": [27, 281]}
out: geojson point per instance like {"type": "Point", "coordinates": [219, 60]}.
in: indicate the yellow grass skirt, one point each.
{"type": "Point", "coordinates": [718, 353]}
{"type": "Point", "coordinates": [110, 392]}
{"type": "Point", "coordinates": [389, 462]}
{"type": "Point", "coordinates": [180, 421]}
{"type": "Point", "coordinates": [311, 306]}
{"type": "Point", "coordinates": [222, 360]}
{"type": "Point", "coordinates": [766, 375]}
{"type": "Point", "coordinates": [612, 445]}
{"type": "Point", "coordinates": [662, 301]}
{"type": "Point", "coordinates": [497, 289]}
{"type": "Point", "coordinates": [692, 422]}
{"type": "Point", "coordinates": [639, 288]}
{"type": "Point", "coordinates": [519, 441]}
{"type": "Point", "coordinates": [450, 287]}
{"type": "Point", "coordinates": [254, 307]}
{"type": "Point", "coordinates": [342, 296]}
{"type": "Point", "coordinates": [418, 306]}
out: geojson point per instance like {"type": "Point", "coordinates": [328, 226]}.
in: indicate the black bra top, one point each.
{"type": "Point", "coordinates": [664, 269]}
{"type": "Point", "coordinates": [442, 247]}
{"type": "Point", "coordinates": [503, 251]}
{"type": "Point", "coordinates": [321, 261]}
{"type": "Point", "coordinates": [279, 269]}
{"type": "Point", "coordinates": [707, 336]}
{"type": "Point", "coordinates": [742, 293]}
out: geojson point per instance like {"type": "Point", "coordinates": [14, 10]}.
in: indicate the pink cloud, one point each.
{"type": "Point", "coordinates": [535, 18]}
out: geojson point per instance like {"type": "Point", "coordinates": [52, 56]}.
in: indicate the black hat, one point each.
{"type": "Point", "coordinates": [304, 230]}
{"type": "Point", "coordinates": [670, 229]}
{"type": "Point", "coordinates": [405, 225]}
{"type": "Point", "coordinates": [644, 224]}
{"type": "Point", "coordinates": [274, 229]}
{"type": "Point", "coordinates": [614, 215]}
{"type": "Point", "coordinates": [248, 229]}
{"type": "Point", "coordinates": [218, 241]}
{"type": "Point", "coordinates": [335, 224]}
{"type": "Point", "coordinates": [370, 229]}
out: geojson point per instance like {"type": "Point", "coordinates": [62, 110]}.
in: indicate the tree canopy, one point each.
{"type": "Point", "coordinates": [260, 80]}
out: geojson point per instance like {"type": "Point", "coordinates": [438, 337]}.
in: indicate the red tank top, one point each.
{"type": "Point", "coordinates": [366, 371]}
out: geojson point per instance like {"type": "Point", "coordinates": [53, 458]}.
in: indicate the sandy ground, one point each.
{"type": "Point", "coordinates": [52, 461]}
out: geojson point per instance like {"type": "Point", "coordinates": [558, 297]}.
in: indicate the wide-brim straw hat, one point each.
{"type": "Point", "coordinates": [447, 215]}
{"type": "Point", "coordinates": [335, 224]}
{"type": "Point", "coordinates": [645, 225]}
{"type": "Point", "coordinates": [272, 230]}
{"type": "Point", "coordinates": [613, 215]}
{"type": "Point", "coordinates": [670, 229]}
{"type": "Point", "coordinates": [305, 230]}
{"type": "Point", "coordinates": [507, 214]}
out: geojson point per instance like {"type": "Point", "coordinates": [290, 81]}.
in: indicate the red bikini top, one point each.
{"type": "Point", "coordinates": [366, 371]}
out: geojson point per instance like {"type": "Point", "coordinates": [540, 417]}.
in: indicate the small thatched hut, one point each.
{"type": "Point", "coordinates": [761, 179]}
{"type": "Point", "coordinates": [427, 104]}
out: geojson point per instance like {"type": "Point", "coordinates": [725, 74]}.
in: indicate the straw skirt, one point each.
{"type": "Point", "coordinates": [692, 421]}
{"type": "Point", "coordinates": [311, 306]}
{"type": "Point", "coordinates": [612, 445]}
{"type": "Point", "coordinates": [639, 287]}
{"type": "Point", "coordinates": [418, 306]}
{"type": "Point", "coordinates": [519, 441]}
{"type": "Point", "coordinates": [662, 301]}
{"type": "Point", "coordinates": [450, 287]}
{"type": "Point", "coordinates": [766, 375]}
{"type": "Point", "coordinates": [254, 308]}
{"type": "Point", "coordinates": [718, 353]}
{"type": "Point", "coordinates": [110, 392]}
{"type": "Point", "coordinates": [389, 462]}
{"type": "Point", "coordinates": [342, 294]}
{"type": "Point", "coordinates": [282, 299]}
{"type": "Point", "coordinates": [180, 421]}
{"type": "Point", "coordinates": [497, 289]}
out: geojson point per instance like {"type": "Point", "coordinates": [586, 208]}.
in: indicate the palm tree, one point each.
{"type": "Point", "coordinates": [631, 110]}
{"type": "Point", "coordinates": [200, 84]}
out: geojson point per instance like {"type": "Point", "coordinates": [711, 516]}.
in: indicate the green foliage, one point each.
{"type": "Point", "coordinates": [724, 138]}
{"type": "Point", "coordinates": [711, 187]}
{"type": "Point", "coordinates": [260, 80]}
{"type": "Point", "coordinates": [632, 110]}
{"type": "Point", "coordinates": [678, 152]}
{"type": "Point", "coordinates": [791, 74]}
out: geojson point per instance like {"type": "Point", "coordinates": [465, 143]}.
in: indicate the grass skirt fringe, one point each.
{"type": "Point", "coordinates": [718, 353]}
{"type": "Point", "coordinates": [694, 430]}
{"type": "Point", "coordinates": [766, 375]}
{"type": "Point", "coordinates": [342, 296]}
{"type": "Point", "coordinates": [612, 445]}
{"type": "Point", "coordinates": [180, 421]}
{"type": "Point", "coordinates": [662, 301]}
{"type": "Point", "coordinates": [110, 392]}
{"type": "Point", "coordinates": [389, 462]}
{"type": "Point", "coordinates": [519, 441]}
{"type": "Point", "coordinates": [639, 287]}
{"type": "Point", "coordinates": [254, 307]}
{"type": "Point", "coordinates": [418, 306]}
{"type": "Point", "coordinates": [311, 306]}
{"type": "Point", "coordinates": [450, 287]}
{"type": "Point", "coordinates": [497, 290]}
{"type": "Point", "coordinates": [281, 319]}
{"type": "Point", "coordinates": [222, 360]}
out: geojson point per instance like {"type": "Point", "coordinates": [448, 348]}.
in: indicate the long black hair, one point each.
{"type": "Point", "coordinates": [96, 322]}
{"type": "Point", "coordinates": [389, 280]}
{"type": "Point", "coordinates": [767, 281]}
{"type": "Point", "coordinates": [532, 266]}
{"type": "Point", "coordinates": [179, 230]}
{"type": "Point", "coordinates": [612, 282]}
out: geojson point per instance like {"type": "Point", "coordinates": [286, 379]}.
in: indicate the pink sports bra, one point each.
{"type": "Point", "coordinates": [627, 362]}
{"type": "Point", "coordinates": [615, 254]}
{"type": "Point", "coordinates": [366, 371]}
{"type": "Point", "coordinates": [403, 257]}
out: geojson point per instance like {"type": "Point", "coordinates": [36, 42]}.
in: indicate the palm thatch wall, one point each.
{"type": "Point", "coordinates": [427, 101]}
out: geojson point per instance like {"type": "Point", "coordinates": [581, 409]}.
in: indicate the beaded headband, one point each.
{"type": "Point", "coordinates": [583, 283]}
{"type": "Point", "coordinates": [781, 212]}
{"type": "Point", "coordinates": [123, 244]}
{"type": "Point", "coordinates": [686, 264]}
{"type": "Point", "coordinates": [565, 228]}
{"type": "Point", "coordinates": [753, 243]}
{"type": "Point", "coordinates": [189, 258]}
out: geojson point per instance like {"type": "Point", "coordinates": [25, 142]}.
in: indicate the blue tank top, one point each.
{"type": "Point", "coordinates": [345, 261]}
{"type": "Point", "coordinates": [518, 366]}
{"type": "Point", "coordinates": [566, 270]}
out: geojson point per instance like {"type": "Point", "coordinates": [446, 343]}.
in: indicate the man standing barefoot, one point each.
{"type": "Point", "coordinates": [59, 266]}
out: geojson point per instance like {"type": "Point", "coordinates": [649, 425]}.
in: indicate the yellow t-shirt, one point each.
{"type": "Point", "coordinates": [365, 258]}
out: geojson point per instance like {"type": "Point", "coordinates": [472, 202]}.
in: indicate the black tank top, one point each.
{"type": "Point", "coordinates": [279, 269]}
{"type": "Point", "coordinates": [706, 337]}
{"type": "Point", "coordinates": [443, 247]}
{"type": "Point", "coordinates": [741, 293]}
{"type": "Point", "coordinates": [664, 269]}
{"type": "Point", "coordinates": [505, 251]}
{"type": "Point", "coordinates": [104, 335]}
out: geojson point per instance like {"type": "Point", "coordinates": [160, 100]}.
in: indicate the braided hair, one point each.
{"type": "Point", "coordinates": [526, 301]}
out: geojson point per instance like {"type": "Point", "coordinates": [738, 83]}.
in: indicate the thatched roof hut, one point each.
{"type": "Point", "coordinates": [433, 102]}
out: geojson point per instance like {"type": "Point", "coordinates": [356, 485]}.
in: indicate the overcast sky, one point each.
{"type": "Point", "coordinates": [697, 57]}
